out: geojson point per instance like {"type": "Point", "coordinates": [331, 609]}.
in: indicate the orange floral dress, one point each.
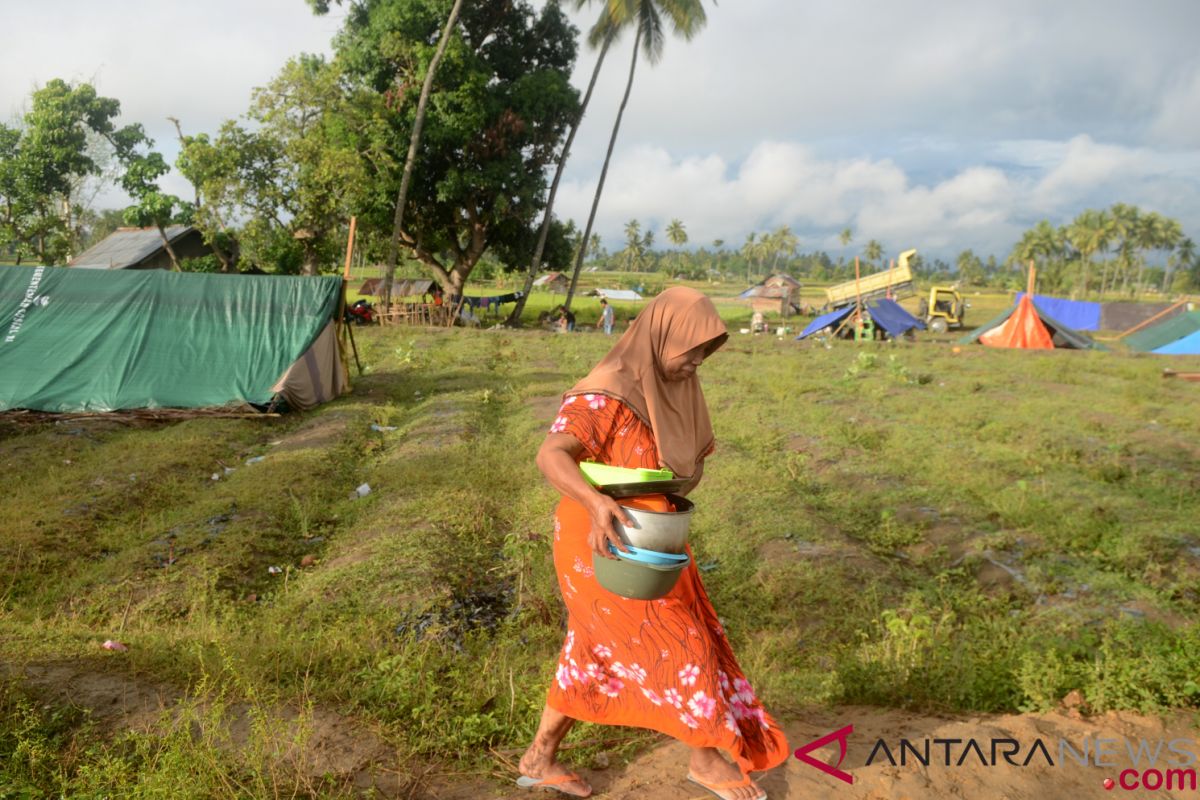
{"type": "Point", "coordinates": [661, 664]}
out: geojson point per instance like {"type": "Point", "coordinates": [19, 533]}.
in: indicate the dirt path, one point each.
{"type": "Point", "coordinates": [348, 749]}
{"type": "Point", "coordinates": [659, 774]}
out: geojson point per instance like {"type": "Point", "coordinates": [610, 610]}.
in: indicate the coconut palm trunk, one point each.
{"type": "Point", "coordinates": [514, 319]}
{"type": "Point", "coordinates": [637, 40]}
{"type": "Point", "coordinates": [414, 142]}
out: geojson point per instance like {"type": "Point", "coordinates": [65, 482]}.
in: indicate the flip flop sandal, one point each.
{"type": "Point", "coordinates": [527, 782]}
{"type": "Point", "coordinates": [721, 789]}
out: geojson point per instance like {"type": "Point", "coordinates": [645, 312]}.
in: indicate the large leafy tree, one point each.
{"type": "Point", "coordinates": [686, 18]}
{"type": "Point", "coordinates": [296, 173]}
{"type": "Point", "coordinates": [501, 103]}
{"type": "Point", "coordinates": [66, 138]}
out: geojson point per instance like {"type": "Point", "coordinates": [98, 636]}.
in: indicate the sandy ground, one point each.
{"type": "Point", "coordinates": [347, 748]}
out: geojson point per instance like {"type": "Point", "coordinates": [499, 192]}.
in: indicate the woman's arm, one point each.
{"type": "Point", "coordinates": [557, 460]}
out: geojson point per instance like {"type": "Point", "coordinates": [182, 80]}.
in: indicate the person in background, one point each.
{"type": "Point", "coordinates": [606, 316]}
{"type": "Point", "coordinates": [566, 320]}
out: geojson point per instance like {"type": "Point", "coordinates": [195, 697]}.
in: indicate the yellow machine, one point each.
{"type": "Point", "coordinates": [896, 283]}
{"type": "Point", "coordinates": [943, 309]}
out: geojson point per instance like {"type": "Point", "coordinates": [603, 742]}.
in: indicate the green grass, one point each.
{"type": "Point", "coordinates": [887, 524]}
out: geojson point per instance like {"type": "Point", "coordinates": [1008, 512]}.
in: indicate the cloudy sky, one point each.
{"type": "Point", "coordinates": [935, 124]}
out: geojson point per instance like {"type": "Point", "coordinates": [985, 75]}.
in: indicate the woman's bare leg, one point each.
{"type": "Point", "coordinates": [710, 766]}
{"type": "Point", "coordinates": [540, 760]}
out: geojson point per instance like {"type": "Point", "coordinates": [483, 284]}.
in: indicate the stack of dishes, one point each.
{"type": "Point", "coordinates": [640, 574]}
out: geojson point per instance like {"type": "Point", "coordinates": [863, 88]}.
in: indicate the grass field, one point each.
{"type": "Point", "coordinates": [900, 525]}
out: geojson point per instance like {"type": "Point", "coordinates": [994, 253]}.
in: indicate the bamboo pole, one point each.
{"type": "Point", "coordinates": [349, 248]}
{"type": "Point", "coordinates": [1032, 280]}
{"type": "Point", "coordinates": [1160, 314]}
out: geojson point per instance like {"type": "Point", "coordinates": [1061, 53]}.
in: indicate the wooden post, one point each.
{"type": "Point", "coordinates": [1032, 279]}
{"type": "Point", "coordinates": [349, 248]}
{"type": "Point", "coordinates": [857, 297]}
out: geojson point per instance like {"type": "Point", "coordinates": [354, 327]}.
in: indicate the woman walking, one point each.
{"type": "Point", "coordinates": [660, 664]}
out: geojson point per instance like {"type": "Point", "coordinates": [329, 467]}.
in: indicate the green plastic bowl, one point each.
{"type": "Point", "coordinates": [604, 475]}
{"type": "Point", "coordinates": [636, 580]}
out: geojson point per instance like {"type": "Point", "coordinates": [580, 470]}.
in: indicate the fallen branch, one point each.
{"type": "Point", "coordinates": [25, 416]}
{"type": "Point", "coordinates": [1183, 376]}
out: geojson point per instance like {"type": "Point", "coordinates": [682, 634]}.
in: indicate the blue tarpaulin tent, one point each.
{"type": "Point", "coordinates": [1187, 346]}
{"type": "Point", "coordinates": [1078, 315]}
{"type": "Point", "coordinates": [825, 320]}
{"type": "Point", "coordinates": [887, 314]}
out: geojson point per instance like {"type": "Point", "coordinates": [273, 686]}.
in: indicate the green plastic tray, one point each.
{"type": "Point", "coordinates": [604, 475]}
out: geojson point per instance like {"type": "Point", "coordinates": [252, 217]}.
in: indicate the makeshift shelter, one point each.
{"type": "Point", "coordinates": [777, 293]}
{"type": "Point", "coordinates": [1187, 346]}
{"type": "Point", "coordinates": [615, 294]}
{"type": "Point", "coordinates": [401, 287]}
{"type": "Point", "coordinates": [1167, 332]}
{"type": "Point", "coordinates": [84, 340]}
{"type": "Point", "coordinates": [142, 248]}
{"type": "Point", "coordinates": [1084, 315]}
{"type": "Point", "coordinates": [1026, 326]}
{"type": "Point", "coordinates": [553, 281]}
{"type": "Point", "coordinates": [887, 315]}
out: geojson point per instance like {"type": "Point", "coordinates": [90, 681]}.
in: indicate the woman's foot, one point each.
{"type": "Point", "coordinates": [536, 764]}
{"type": "Point", "coordinates": [709, 766]}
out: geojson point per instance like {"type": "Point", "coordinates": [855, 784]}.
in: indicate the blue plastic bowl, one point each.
{"type": "Point", "coordinates": [643, 556]}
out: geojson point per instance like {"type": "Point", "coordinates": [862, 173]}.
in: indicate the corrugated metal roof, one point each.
{"type": "Point", "coordinates": [125, 247]}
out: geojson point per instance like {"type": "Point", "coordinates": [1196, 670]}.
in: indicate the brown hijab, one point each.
{"type": "Point", "coordinates": [671, 324]}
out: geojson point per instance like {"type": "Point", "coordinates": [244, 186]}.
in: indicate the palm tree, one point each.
{"type": "Point", "coordinates": [409, 162]}
{"type": "Point", "coordinates": [873, 251]}
{"type": "Point", "coordinates": [718, 244]}
{"type": "Point", "coordinates": [1042, 241]}
{"type": "Point", "coordinates": [677, 235]}
{"type": "Point", "coordinates": [1125, 222]}
{"type": "Point", "coordinates": [1090, 233]}
{"type": "Point", "coordinates": [535, 263]}
{"type": "Point", "coordinates": [749, 249]}
{"type": "Point", "coordinates": [846, 236]}
{"type": "Point", "coordinates": [784, 243]}
{"type": "Point", "coordinates": [634, 245]}
{"type": "Point", "coordinates": [1185, 253]}
{"type": "Point", "coordinates": [687, 17]}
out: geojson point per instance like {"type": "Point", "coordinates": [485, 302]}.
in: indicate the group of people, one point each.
{"type": "Point", "coordinates": [663, 664]}
{"type": "Point", "coordinates": [563, 319]}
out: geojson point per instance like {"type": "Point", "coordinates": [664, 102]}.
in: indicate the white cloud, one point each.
{"type": "Point", "coordinates": [785, 183]}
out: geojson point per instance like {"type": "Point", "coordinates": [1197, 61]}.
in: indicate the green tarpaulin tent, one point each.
{"type": "Point", "coordinates": [1164, 333]}
{"type": "Point", "coordinates": [91, 340]}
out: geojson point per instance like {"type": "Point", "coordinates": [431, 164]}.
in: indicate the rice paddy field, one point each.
{"type": "Point", "coordinates": [905, 526]}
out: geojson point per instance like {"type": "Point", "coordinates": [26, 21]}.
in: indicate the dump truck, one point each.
{"type": "Point", "coordinates": [896, 283]}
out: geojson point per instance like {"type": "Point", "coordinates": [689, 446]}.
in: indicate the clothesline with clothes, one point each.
{"type": "Point", "coordinates": [486, 303]}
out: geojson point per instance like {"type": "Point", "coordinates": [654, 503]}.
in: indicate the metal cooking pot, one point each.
{"type": "Point", "coordinates": [661, 531]}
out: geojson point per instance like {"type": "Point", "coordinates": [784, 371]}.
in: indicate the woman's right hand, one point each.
{"type": "Point", "coordinates": [602, 510]}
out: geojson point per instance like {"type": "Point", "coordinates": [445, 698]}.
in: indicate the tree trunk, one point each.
{"type": "Point", "coordinates": [167, 245]}
{"type": "Point", "coordinates": [1087, 269]}
{"type": "Point", "coordinates": [514, 319]}
{"type": "Point", "coordinates": [637, 40]}
{"type": "Point", "coordinates": [418, 123]}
